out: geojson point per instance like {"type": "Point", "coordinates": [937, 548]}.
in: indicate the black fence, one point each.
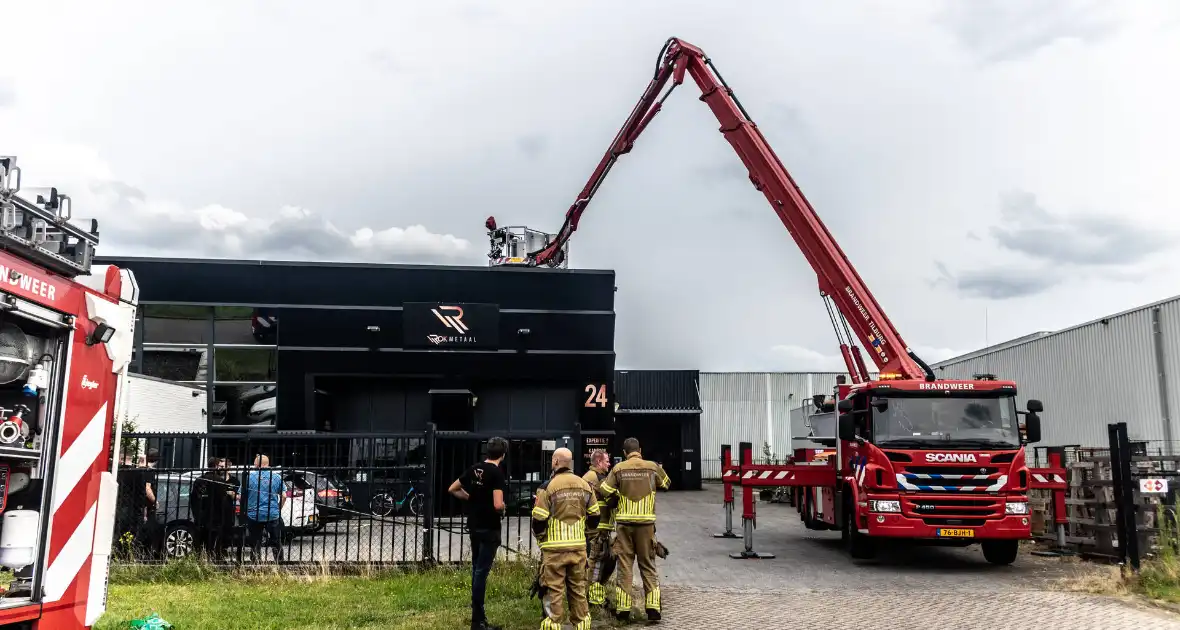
{"type": "Point", "coordinates": [316, 498]}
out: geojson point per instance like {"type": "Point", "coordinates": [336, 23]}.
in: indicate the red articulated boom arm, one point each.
{"type": "Point", "coordinates": [839, 283]}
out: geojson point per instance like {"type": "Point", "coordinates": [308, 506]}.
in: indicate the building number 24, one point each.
{"type": "Point", "coordinates": [595, 395]}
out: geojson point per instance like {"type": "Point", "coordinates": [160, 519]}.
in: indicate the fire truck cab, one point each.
{"type": "Point", "coordinates": [66, 338]}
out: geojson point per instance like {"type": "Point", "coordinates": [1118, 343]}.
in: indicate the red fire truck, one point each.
{"type": "Point", "coordinates": [916, 457]}
{"type": "Point", "coordinates": [65, 345]}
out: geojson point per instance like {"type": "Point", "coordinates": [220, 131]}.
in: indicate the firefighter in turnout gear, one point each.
{"type": "Point", "coordinates": [631, 489]}
{"type": "Point", "coordinates": [598, 541]}
{"type": "Point", "coordinates": [566, 506]}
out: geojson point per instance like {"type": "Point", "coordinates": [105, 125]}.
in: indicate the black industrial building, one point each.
{"type": "Point", "coordinates": [380, 349]}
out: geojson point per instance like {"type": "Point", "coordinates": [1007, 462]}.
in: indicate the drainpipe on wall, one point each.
{"type": "Point", "coordinates": [1157, 338]}
{"type": "Point", "coordinates": [769, 414]}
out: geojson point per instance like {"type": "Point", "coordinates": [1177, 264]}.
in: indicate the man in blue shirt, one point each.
{"type": "Point", "coordinates": [263, 499]}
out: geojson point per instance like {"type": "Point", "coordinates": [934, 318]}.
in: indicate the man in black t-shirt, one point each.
{"type": "Point", "coordinates": [482, 486]}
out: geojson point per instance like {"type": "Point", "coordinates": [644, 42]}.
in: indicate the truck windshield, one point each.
{"type": "Point", "coordinates": [948, 421]}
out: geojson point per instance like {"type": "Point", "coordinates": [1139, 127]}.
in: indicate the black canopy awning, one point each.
{"type": "Point", "coordinates": [657, 391]}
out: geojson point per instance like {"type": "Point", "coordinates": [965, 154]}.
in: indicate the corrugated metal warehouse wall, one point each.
{"type": "Point", "coordinates": [753, 407]}
{"type": "Point", "coordinates": [1109, 370]}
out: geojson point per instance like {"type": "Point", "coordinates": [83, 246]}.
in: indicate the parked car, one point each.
{"type": "Point", "coordinates": [332, 498]}
{"type": "Point", "coordinates": [175, 517]}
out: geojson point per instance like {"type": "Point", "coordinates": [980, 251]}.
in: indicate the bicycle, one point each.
{"type": "Point", "coordinates": [384, 503]}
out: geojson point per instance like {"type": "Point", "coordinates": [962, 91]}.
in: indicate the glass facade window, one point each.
{"type": "Point", "coordinates": [175, 324]}
{"type": "Point", "coordinates": [229, 350]}
{"type": "Point", "coordinates": [187, 364]}
{"type": "Point", "coordinates": [244, 325]}
{"type": "Point", "coordinates": [245, 365]}
{"type": "Point", "coordinates": [243, 406]}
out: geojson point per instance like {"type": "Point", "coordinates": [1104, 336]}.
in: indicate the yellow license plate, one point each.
{"type": "Point", "coordinates": [957, 533]}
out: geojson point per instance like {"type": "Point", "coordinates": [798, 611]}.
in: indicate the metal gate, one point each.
{"type": "Point", "coordinates": [1144, 480]}
{"type": "Point", "coordinates": [526, 466]}
{"type": "Point", "coordinates": [349, 498]}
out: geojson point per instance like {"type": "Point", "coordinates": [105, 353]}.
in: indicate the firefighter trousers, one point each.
{"type": "Point", "coordinates": [636, 544]}
{"type": "Point", "coordinates": [602, 565]}
{"type": "Point", "coordinates": [563, 575]}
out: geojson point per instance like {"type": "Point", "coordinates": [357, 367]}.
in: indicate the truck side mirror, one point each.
{"type": "Point", "coordinates": [845, 406]}
{"type": "Point", "coordinates": [1035, 406]}
{"type": "Point", "coordinates": [1032, 427]}
{"type": "Point", "coordinates": [846, 426]}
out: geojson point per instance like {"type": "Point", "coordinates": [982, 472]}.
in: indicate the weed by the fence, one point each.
{"type": "Point", "coordinates": [1159, 577]}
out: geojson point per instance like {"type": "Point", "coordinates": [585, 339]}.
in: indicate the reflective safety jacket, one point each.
{"type": "Point", "coordinates": [565, 505]}
{"type": "Point", "coordinates": [635, 480]}
{"type": "Point", "coordinates": [606, 520]}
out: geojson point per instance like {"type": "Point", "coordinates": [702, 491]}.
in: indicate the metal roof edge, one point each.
{"type": "Point", "coordinates": [1029, 338]}
{"type": "Point", "coordinates": [115, 259]}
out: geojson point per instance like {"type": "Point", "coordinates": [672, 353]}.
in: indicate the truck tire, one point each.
{"type": "Point", "coordinates": [859, 546]}
{"type": "Point", "coordinates": [1000, 552]}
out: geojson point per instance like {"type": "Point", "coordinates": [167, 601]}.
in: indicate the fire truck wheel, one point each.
{"type": "Point", "coordinates": [860, 546]}
{"type": "Point", "coordinates": [1001, 552]}
{"type": "Point", "coordinates": [179, 541]}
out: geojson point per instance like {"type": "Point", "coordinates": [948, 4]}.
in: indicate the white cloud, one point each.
{"type": "Point", "coordinates": [131, 221]}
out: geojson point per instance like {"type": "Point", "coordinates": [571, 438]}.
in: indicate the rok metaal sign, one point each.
{"type": "Point", "coordinates": [451, 325]}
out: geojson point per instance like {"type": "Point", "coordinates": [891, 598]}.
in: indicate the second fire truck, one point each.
{"type": "Point", "coordinates": [916, 457]}
{"type": "Point", "coordinates": [65, 344]}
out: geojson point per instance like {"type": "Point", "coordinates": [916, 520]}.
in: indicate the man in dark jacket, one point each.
{"type": "Point", "coordinates": [212, 501]}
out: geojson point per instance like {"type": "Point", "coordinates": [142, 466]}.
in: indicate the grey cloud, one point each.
{"type": "Point", "coordinates": [532, 146]}
{"type": "Point", "coordinates": [1106, 247]}
{"type": "Point", "coordinates": [7, 93]}
{"type": "Point", "coordinates": [1004, 283]}
{"type": "Point", "coordinates": [1001, 30]}
{"type": "Point", "coordinates": [1092, 240]}
{"type": "Point", "coordinates": [997, 283]}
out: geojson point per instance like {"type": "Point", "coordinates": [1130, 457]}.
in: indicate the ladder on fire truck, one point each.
{"type": "Point", "coordinates": [40, 230]}
{"type": "Point", "coordinates": [858, 319]}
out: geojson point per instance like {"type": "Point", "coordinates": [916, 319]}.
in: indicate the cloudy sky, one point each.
{"type": "Point", "coordinates": [991, 168]}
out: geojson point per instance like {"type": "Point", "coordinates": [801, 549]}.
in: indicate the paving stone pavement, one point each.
{"type": "Point", "coordinates": [720, 610]}
{"type": "Point", "coordinates": [812, 582]}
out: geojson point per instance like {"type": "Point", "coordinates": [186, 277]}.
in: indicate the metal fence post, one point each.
{"type": "Point", "coordinates": [1116, 475]}
{"type": "Point", "coordinates": [428, 500]}
{"type": "Point", "coordinates": [1126, 517]}
{"type": "Point", "coordinates": [1129, 508]}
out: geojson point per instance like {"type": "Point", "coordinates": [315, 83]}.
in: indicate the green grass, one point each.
{"type": "Point", "coordinates": [194, 597]}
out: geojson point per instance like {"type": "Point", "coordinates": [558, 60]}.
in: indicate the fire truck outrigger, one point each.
{"type": "Point", "coordinates": [65, 345]}
{"type": "Point", "coordinates": [915, 457]}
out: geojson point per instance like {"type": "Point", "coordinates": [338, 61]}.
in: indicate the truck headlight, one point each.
{"type": "Point", "coordinates": [1016, 508]}
{"type": "Point", "coordinates": [885, 506]}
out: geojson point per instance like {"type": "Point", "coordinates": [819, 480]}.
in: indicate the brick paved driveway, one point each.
{"type": "Point", "coordinates": [811, 583]}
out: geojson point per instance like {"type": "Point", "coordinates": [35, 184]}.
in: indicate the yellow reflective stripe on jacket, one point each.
{"type": "Point", "coordinates": [607, 489]}
{"type": "Point", "coordinates": [641, 511]}
{"type": "Point", "coordinates": [665, 481]}
{"type": "Point", "coordinates": [539, 513]}
{"type": "Point", "coordinates": [593, 509]}
{"type": "Point", "coordinates": [561, 535]}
